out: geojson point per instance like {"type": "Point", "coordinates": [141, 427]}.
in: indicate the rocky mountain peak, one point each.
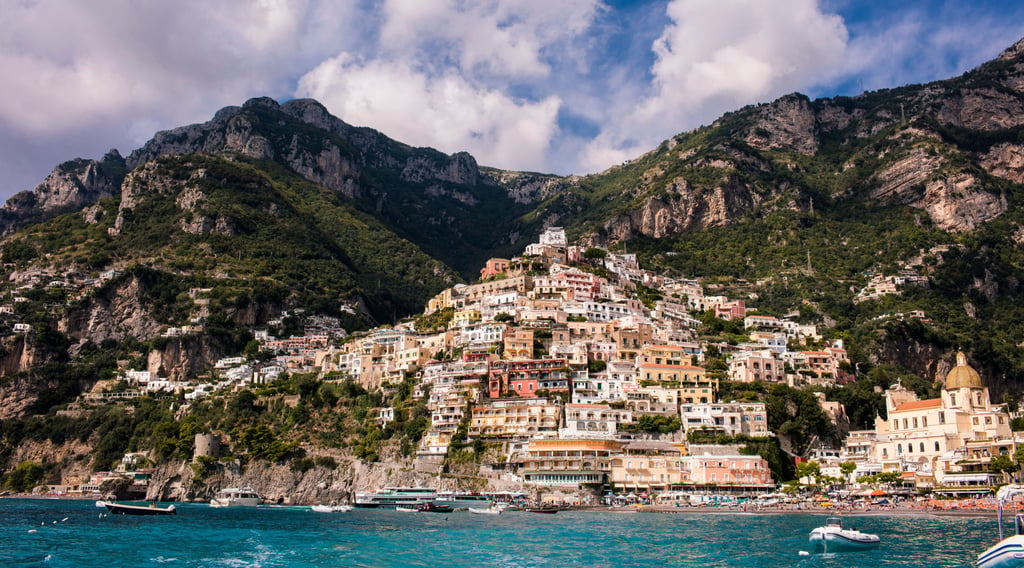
{"type": "Point", "coordinates": [1012, 52]}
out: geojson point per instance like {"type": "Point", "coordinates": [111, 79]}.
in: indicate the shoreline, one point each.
{"type": "Point", "coordinates": [688, 510]}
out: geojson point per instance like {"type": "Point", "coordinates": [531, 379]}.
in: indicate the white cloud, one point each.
{"type": "Point", "coordinates": [446, 112]}
{"type": "Point", "coordinates": [715, 56]}
{"type": "Point", "coordinates": [497, 38]}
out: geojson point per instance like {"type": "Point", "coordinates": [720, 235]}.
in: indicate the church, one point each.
{"type": "Point", "coordinates": [945, 441]}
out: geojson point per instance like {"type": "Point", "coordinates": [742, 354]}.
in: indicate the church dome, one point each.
{"type": "Point", "coordinates": [963, 375]}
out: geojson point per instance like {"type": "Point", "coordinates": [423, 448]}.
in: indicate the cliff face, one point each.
{"type": "Point", "coordinates": [940, 148]}
{"type": "Point", "coordinates": [69, 187]}
{"type": "Point", "coordinates": [318, 146]}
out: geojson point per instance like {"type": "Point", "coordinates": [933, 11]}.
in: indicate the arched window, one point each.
{"type": "Point", "coordinates": [936, 446]}
{"type": "Point", "coordinates": [899, 448]}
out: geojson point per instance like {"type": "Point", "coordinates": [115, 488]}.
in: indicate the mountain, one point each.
{"type": "Point", "coordinates": [283, 209]}
{"type": "Point", "coordinates": [951, 149]}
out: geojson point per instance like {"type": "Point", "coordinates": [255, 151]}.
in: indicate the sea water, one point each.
{"type": "Point", "coordinates": [64, 533]}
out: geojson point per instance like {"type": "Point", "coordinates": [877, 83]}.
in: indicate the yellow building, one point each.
{"type": "Point", "coordinates": [669, 367]}
{"type": "Point", "coordinates": [645, 466]}
{"type": "Point", "coordinates": [569, 462]}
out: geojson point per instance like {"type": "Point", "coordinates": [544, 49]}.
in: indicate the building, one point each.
{"type": "Point", "coordinates": [940, 436]}
{"type": "Point", "coordinates": [731, 418]}
{"type": "Point", "coordinates": [649, 466]}
{"type": "Point", "coordinates": [572, 463]}
{"type": "Point", "coordinates": [759, 365]}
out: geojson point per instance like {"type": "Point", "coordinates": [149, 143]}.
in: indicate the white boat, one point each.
{"type": "Point", "coordinates": [235, 497]}
{"type": "Point", "coordinates": [406, 509]}
{"type": "Point", "coordinates": [1009, 551]}
{"type": "Point", "coordinates": [331, 508]}
{"type": "Point", "coordinates": [144, 510]}
{"type": "Point", "coordinates": [834, 537]}
{"type": "Point", "coordinates": [487, 511]}
{"type": "Point", "coordinates": [460, 500]}
{"type": "Point", "coordinates": [391, 497]}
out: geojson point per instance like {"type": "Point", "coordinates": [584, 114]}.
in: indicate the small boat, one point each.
{"type": "Point", "coordinates": [125, 509]}
{"type": "Point", "coordinates": [406, 509]}
{"type": "Point", "coordinates": [331, 508]}
{"type": "Point", "coordinates": [236, 497]}
{"type": "Point", "coordinates": [435, 508]}
{"type": "Point", "coordinates": [488, 511]}
{"type": "Point", "coordinates": [1009, 551]}
{"type": "Point", "coordinates": [834, 537]}
{"type": "Point", "coordinates": [545, 509]}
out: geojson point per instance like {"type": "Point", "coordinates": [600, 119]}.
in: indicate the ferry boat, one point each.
{"type": "Point", "coordinates": [391, 497]}
{"type": "Point", "coordinates": [236, 497]}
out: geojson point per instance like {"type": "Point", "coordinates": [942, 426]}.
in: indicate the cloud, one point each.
{"type": "Point", "coordinates": [493, 38]}
{"type": "Point", "coordinates": [718, 55]}
{"type": "Point", "coordinates": [81, 77]}
{"type": "Point", "coordinates": [563, 86]}
{"type": "Point", "coordinates": [443, 74]}
{"type": "Point", "coordinates": [446, 112]}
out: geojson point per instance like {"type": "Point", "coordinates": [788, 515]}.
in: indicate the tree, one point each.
{"type": "Point", "coordinates": [846, 468]}
{"type": "Point", "coordinates": [1002, 464]}
{"type": "Point", "coordinates": [809, 469]}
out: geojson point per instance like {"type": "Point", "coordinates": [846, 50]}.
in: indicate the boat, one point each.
{"type": "Point", "coordinates": [832, 536]}
{"type": "Point", "coordinates": [331, 508]}
{"type": "Point", "coordinates": [1009, 551]}
{"type": "Point", "coordinates": [435, 508]}
{"type": "Point", "coordinates": [390, 497]}
{"type": "Point", "coordinates": [236, 497]}
{"type": "Point", "coordinates": [487, 511]}
{"type": "Point", "coordinates": [126, 509]}
{"type": "Point", "coordinates": [543, 509]}
{"type": "Point", "coordinates": [406, 509]}
{"type": "Point", "coordinates": [461, 500]}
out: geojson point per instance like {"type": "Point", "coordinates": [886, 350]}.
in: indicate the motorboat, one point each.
{"type": "Point", "coordinates": [547, 509]}
{"type": "Point", "coordinates": [331, 508]}
{"type": "Point", "coordinates": [435, 508]}
{"type": "Point", "coordinates": [487, 511]}
{"type": "Point", "coordinates": [832, 536]}
{"type": "Point", "coordinates": [390, 497]}
{"type": "Point", "coordinates": [236, 497]}
{"type": "Point", "coordinates": [126, 509]}
{"type": "Point", "coordinates": [1009, 551]}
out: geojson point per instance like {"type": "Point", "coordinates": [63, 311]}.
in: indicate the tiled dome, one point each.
{"type": "Point", "coordinates": [963, 375]}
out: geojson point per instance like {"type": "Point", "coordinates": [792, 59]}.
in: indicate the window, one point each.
{"type": "Point", "coordinates": [937, 446]}
{"type": "Point", "coordinates": [899, 448]}
{"type": "Point", "coordinates": [942, 418]}
{"type": "Point", "coordinates": [922, 446]}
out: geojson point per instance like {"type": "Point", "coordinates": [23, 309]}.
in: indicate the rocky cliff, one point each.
{"type": "Point", "coordinates": [71, 186]}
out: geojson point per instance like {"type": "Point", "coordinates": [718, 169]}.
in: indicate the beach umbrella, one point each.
{"type": "Point", "coordinates": [877, 493]}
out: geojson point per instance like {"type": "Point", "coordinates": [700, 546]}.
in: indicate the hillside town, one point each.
{"type": "Point", "coordinates": [554, 357]}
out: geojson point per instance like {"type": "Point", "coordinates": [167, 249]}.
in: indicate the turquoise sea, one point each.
{"type": "Point", "coordinates": [62, 533]}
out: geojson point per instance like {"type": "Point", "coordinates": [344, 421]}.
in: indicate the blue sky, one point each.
{"type": "Point", "coordinates": [560, 86]}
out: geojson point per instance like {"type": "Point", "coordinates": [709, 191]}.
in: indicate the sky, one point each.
{"type": "Point", "coordinates": [554, 86]}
